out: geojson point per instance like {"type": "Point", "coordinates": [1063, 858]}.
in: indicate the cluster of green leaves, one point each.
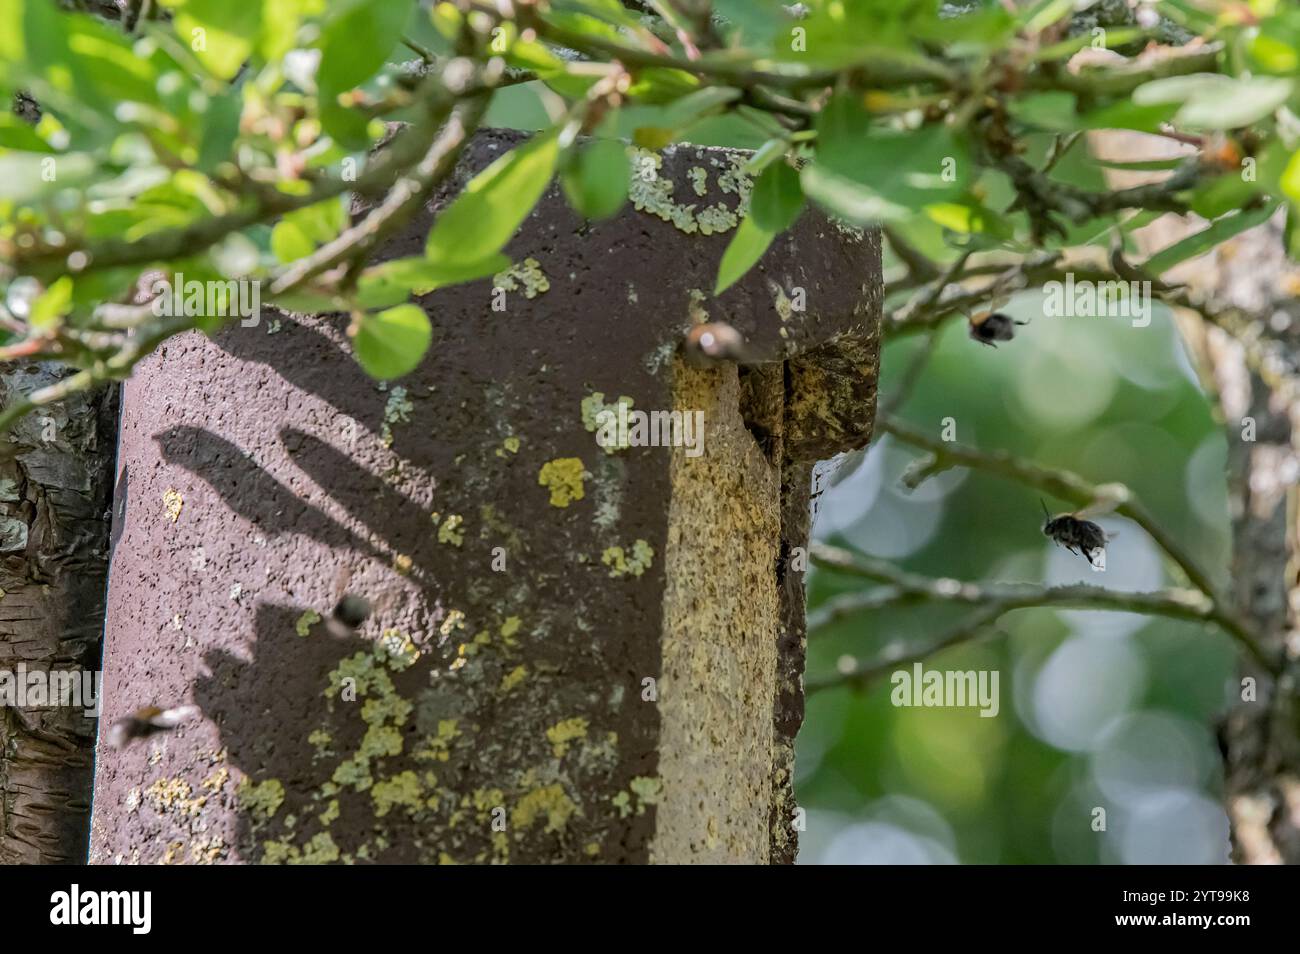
{"type": "Point", "coordinates": [220, 139]}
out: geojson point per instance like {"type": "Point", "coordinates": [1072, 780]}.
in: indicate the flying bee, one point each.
{"type": "Point", "coordinates": [992, 325]}
{"type": "Point", "coordinates": [147, 721]}
{"type": "Point", "coordinates": [1076, 534]}
{"type": "Point", "coordinates": [350, 610]}
{"type": "Point", "coordinates": [713, 342]}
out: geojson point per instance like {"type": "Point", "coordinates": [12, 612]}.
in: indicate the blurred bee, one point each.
{"type": "Point", "coordinates": [1074, 533]}
{"type": "Point", "coordinates": [713, 342]}
{"type": "Point", "coordinates": [350, 610]}
{"type": "Point", "coordinates": [992, 325]}
{"type": "Point", "coordinates": [147, 721]}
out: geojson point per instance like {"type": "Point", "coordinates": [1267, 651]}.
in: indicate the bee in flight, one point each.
{"type": "Point", "coordinates": [992, 325]}
{"type": "Point", "coordinates": [1076, 534]}
{"type": "Point", "coordinates": [146, 721]}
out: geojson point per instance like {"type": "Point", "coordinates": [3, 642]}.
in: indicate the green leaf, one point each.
{"type": "Point", "coordinates": [354, 45]}
{"type": "Point", "coordinates": [1222, 195]}
{"type": "Point", "coordinates": [867, 172]}
{"type": "Point", "coordinates": [220, 32]}
{"type": "Point", "coordinates": [1290, 180]}
{"type": "Point", "coordinates": [52, 305]}
{"type": "Point", "coordinates": [777, 198]}
{"type": "Point", "coordinates": [484, 217]}
{"type": "Point", "coordinates": [289, 242]}
{"type": "Point", "coordinates": [1212, 101]}
{"type": "Point", "coordinates": [392, 282]}
{"type": "Point", "coordinates": [391, 343]}
{"type": "Point", "coordinates": [746, 248]}
{"type": "Point", "coordinates": [28, 176]}
{"type": "Point", "coordinates": [220, 126]}
{"type": "Point", "coordinates": [16, 134]}
{"type": "Point", "coordinates": [1201, 242]}
{"type": "Point", "coordinates": [596, 180]}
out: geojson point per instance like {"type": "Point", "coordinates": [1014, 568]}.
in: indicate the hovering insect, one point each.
{"type": "Point", "coordinates": [147, 721]}
{"type": "Point", "coordinates": [992, 325]}
{"type": "Point", "coordinates": [350, 610]}
{"type": "Point", "coordinates": [713, 342]}
{"type": "Point", "coordinates": [1075, 533]}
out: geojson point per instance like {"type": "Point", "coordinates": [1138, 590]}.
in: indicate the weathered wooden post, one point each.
{"type": "Point", "coordinates": [576, 652]}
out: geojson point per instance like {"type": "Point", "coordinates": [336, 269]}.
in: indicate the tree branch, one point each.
{"type": "Point", "coordinates": [1070, 486]}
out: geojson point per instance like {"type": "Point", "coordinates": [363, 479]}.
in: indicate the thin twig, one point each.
{"type": "Point", "coordinates": [1070, 486]}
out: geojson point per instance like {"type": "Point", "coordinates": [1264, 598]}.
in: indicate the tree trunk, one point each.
{"type": "Point", "coordinates": [54, 497]}
{"type": "Point", "coordinates": [575, 652]}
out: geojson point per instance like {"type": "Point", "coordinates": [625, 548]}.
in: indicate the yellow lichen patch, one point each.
{"type": "Point", "coordinates": [621, 564]}
{"type": "Point", "coordinates": [260, 799]}
{"type": "Point", "coordinates": [207, 850]}
{"type": "Point", "coordinates": [302, 626]}
{"type": "Point", "coordinates": [400, 791]}
{"type": "Point", "coordinates": [455, 620]}
{"type": "Point", "coordinates": [402, 564]}
{"type": "Point", "coordinates": [173, 795]}
{"type": "Point", "coordinates": [526, 275]}
{"type": "Point", "coordinates": [438, 748]}
{"type": "Point", "coordinates": [550, 803]}
{"type": "Point", "coordinates": [451, 531]}
{"type": "Point", "coordinates": [172, 503]}
{"type": "Point", "coordinates": [331, 813]}
{"type": "Point", "coordinates": [321, 850]}
{"type": "Point", "coordinates": [172, 854]}
{"type": "Point", "coordinates": [320, 739]}
{"type": "Point", "coordinates": [563, 478]}
{"type": "Point", "coordinates": [563, 733]}
{"type": "Point", "coordinates": [510, 627]}
{"type": "Point", "coordinates": [509, 446]}
{"type": "Point", "coordinates": [217, 780]}
{"type": "Point", "coordinates": [513, 678]}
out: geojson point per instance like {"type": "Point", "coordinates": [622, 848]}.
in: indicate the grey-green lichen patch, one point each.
{"type": "Point", "coordinates": [596, 418]}
{"type": "Point", "coordinates": [397, 649]}
{"type": "Point", "coordinates": [622, 563]}
{"type": "Point", "coordinates": [396, 411]}
{"type": "Point", "coordinates": [642, 791]}
{"type": "Point", "coordinates": [699, 180]}
{"type": "Point", "coordinates": [735, 181]}
{"type": "Point", "coordinates": [781, 302]}
{"type": "Point", "coordinates": [526, 276]}
{"type": "Point", "coordinates": [565, 733]}
{"type": "Point", "coordinates": [653, 193]}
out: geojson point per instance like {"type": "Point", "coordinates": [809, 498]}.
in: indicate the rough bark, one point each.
{"type": "Point", "coordinates": [55, 471]}
{"type": "Point", "coordinates": [624, 689]}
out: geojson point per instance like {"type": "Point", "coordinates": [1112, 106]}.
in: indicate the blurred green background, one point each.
{"type": "Point", "coordinates": [1106, 710]}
